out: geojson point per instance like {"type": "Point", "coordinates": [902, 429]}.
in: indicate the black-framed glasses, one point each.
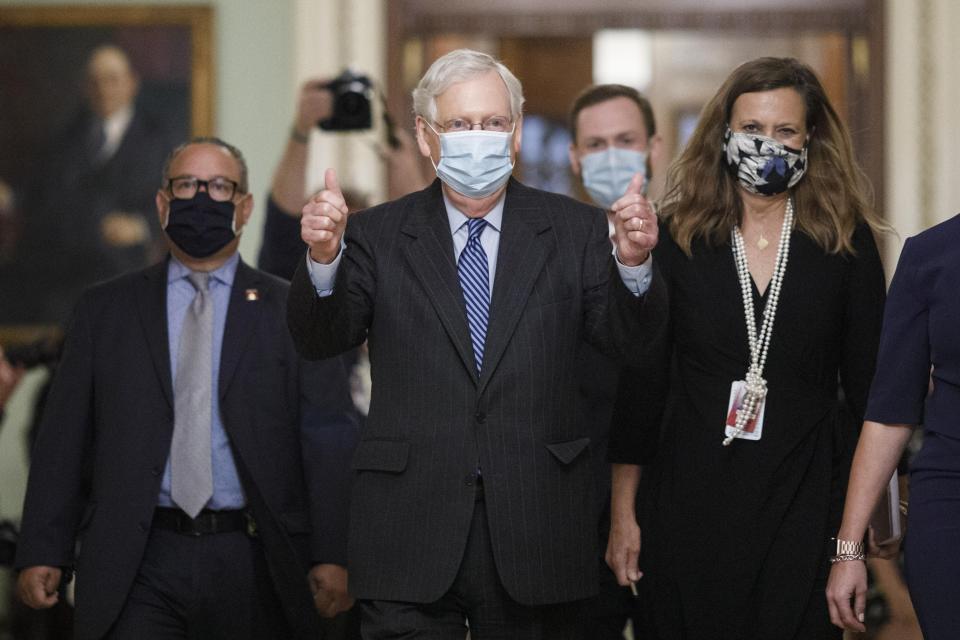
{"type": "Point", "coordinates": [493, 123]}
{"type": "Point", "coordinates": [185, 187]}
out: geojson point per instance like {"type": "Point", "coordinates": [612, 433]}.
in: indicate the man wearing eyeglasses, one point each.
{"type": "Point", "coordinates": [170, 448]}
{"type": "Point", "coordinates": [473, 497]}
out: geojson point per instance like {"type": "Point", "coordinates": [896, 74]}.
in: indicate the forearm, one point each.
{"type": "Point", "coordinates": [877, 455]}
{"type": "Point", "coordinates": [625, 479]}
{"type": "Point", "coordinates": [289, 184]}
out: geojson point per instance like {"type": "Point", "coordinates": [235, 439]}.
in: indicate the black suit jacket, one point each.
{"type": "Point", "coordinates": [433, 419]}
{"type": "Point", "coordinates": [105, 437]}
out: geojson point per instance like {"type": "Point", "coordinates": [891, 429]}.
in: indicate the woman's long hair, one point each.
{"type": "Point", "coordinates": [834, 195]}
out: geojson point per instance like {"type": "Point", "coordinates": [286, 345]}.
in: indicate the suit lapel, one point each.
{"type": "Point", "coordinates": [430, 256]}
{"type": "Point", "coordinates": [152, 309]}
{"type": "Point", "coordinates": [519, 261]}
{"type": "Point", "coordinates": [242, 316]}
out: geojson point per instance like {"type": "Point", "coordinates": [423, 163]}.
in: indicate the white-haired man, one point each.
{"type": "Point", "coordinates": [473, 498]}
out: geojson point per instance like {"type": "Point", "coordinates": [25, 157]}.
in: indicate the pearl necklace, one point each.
{"type": "Point", "coordinates": [756, 385]}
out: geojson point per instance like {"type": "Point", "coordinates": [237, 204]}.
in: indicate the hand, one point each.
{"type": "Point", "coordinates": [635, 224]}
{"type": "Point", "coordinates": [848, 581]}
{"type": "Point", "coordinates": [37, 586]}
{"type": "Point", "coordinates": [315, 104]}
{"type": "Point", "coordinates": [887, 551]}
{"type": "Point", "coordinates": [328, 583]}
{"type": "Point", "coordinates": [623, 550]}
{"type": "Point", "coordinates": [9, 378]}
{"type": "Point", "coordinates": [404, 164]}
{"type": "Point", "coordinates": [324, 219]}
{"type": "Point", "coordinates": [119, 229]}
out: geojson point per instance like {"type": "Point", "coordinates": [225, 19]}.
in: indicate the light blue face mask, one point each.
{"type": "Point", "coordinates": [607, 174]}
{"type": "Point", "coordinates": [474, 163]}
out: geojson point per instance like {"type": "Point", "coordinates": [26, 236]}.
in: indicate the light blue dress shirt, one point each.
{"type": "Point", "coordinates": [227, 491]}
{"type": "Point", "coordinates": [637, 279]}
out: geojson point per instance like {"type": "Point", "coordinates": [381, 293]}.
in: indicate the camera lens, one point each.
{"type": "Point", "coordinates": [352, 103]}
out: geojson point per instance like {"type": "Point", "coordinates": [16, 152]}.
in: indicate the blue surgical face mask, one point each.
{"type": "Point", "coordinates": [475, 163]}
{"type": "Point", "coordinates": [607, 174]}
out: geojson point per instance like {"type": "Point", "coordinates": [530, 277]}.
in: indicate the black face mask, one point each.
{"type": "Point", "coordinates": [201, 226]}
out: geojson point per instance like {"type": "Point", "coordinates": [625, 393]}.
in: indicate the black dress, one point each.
{"type": "Point", "coordinates": [736, 544]}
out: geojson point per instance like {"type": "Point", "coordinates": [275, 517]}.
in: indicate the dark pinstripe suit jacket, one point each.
{"type": "Point", "coordinates": [433, 419]}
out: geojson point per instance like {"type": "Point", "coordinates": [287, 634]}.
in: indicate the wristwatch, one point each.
{"type": "Point", "coordinates": [847, 550]}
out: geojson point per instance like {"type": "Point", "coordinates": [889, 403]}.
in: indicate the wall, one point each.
{"type": "Point", "coordinates": [923, 130]}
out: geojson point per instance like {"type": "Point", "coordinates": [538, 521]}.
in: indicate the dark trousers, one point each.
{"type": "Point", "coordinates": [478, 599]}
{"type": "Point", "coordinates": [207, 587]}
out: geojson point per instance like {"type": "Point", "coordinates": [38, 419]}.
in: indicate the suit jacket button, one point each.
{"type": "Point", "coordinates": [469, 480]}
{"type": "Point", "coordinates": [480, 416]}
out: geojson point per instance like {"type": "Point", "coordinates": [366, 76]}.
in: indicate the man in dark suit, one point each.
{"type": "Point", "coordinates": [473, 500]}
{"type": "Point", "coordinates": [615, 144]}
{"type": "Point", "coordinates": [89, 213]}
{"type": "Point", "coordinates": [170, 448]}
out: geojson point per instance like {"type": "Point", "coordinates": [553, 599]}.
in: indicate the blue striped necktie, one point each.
{"type": "Point", "coordinates": [474, 280]}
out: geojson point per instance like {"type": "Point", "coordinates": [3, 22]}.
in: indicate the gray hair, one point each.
{"type": "Point", "coordinates": [457, 66]}
{"type": "Point", "coordinates": [242, 186]}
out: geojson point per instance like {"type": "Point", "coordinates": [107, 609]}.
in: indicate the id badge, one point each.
{"type": "Point", "coordinates": [754, 428]}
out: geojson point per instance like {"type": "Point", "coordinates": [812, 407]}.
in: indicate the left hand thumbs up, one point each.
{"type": "Point", "coordinates": [635, 224]}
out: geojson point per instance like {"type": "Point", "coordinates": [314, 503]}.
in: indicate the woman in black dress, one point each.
{"type": "Point", "coordinates": [774, 278]}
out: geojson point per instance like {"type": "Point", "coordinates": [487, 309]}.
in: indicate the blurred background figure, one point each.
{"type": "Point", "coordinates": [282, 247]}
{"type": "Point", "coordinates": [614, 138]}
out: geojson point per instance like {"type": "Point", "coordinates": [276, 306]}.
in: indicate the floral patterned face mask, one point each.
{"type": "Point", "coordinates": [762, 165]}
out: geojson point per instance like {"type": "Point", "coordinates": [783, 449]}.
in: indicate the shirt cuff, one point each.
{"type": "Point", "coordinates": [323, 275]}
{"type": "Point", "coordinates": [636, 279]}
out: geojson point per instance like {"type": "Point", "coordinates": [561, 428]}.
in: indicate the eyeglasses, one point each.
{"type": "Point", "coordinates": [219, 188]}
{"type": "Point", "coordinates": [493, 123]}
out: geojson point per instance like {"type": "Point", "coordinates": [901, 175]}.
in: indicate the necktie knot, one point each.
{"type": "Point", "coordinates": [200, 280]}
{"type": "Point", "coordinates": [475, 227]}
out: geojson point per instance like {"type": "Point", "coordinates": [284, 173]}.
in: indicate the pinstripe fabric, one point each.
{"type": "Point", "coordinates": [475, 283]}
{"type": "Point", "coordinates": [433, 417]}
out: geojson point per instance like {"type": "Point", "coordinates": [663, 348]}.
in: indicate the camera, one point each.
{"type": "Point", "coordinates": [351, 103]}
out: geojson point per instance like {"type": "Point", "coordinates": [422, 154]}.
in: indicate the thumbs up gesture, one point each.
{"type": "Point", "coordinates": [324, 219]}
{"type": "Point", "coordinates": [635, 224]}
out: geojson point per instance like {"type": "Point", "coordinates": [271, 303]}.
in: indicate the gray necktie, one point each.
{"type": "Point", "coordinates": [191, 470]}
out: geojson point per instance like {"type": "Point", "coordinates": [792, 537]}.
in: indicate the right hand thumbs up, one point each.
{"type": "Point", "coordinates": [324, 219]}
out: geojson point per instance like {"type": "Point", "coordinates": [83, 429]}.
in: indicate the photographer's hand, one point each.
{"type": "Point", "coordinates": [9, 379]}
{"type": "Point", "coordinates": [324, 220]}
{"type": "Point", "coordinates": [37, 586]}
{"type": "Point", "coordinates": [315, 104]}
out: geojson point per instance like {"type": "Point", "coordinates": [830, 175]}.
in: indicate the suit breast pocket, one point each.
{"type": "Point", "coordinates": [568, 451]}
